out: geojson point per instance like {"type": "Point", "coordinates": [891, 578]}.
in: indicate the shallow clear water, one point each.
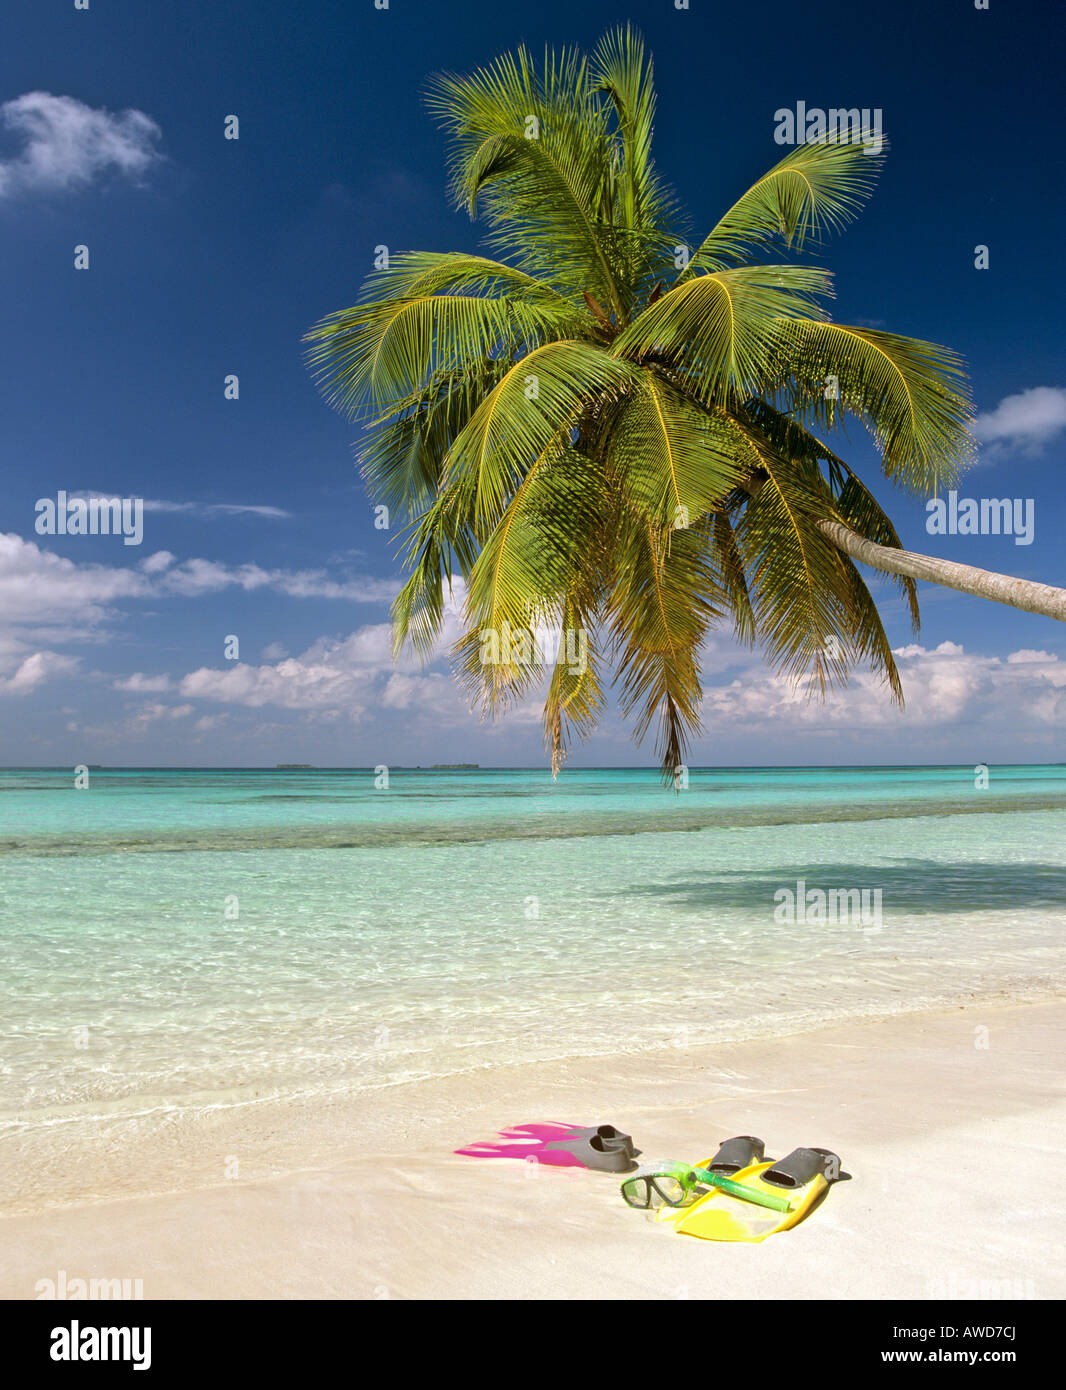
{"type": "Point", "coordinates": [196, 937]}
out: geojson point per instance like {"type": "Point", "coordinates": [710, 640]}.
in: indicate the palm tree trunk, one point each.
{"type": "Point", "coordinates": [968, 579]}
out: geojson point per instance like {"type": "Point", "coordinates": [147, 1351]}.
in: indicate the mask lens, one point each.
{"type": "Point", "coordinates": [669, 1191]}
{"type": "Point", "coordinates": [637, 1192]}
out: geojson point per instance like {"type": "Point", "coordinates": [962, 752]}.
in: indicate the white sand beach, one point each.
{"type": "Point", "coordinates": [951, 1124]}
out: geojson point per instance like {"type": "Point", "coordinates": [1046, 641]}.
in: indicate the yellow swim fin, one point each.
{"type": "Point", "coordinates": [673, 1215]}
{"type": "Point", "coordinates": [803, 1176]}
{"type": "Point", "coordinates": [736, 1158]}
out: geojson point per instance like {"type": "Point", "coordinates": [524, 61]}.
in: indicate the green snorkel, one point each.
{"type": "Point", "coordinates": [671, 1184]}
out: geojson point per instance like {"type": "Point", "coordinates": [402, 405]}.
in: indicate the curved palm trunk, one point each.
{"type": "Point", "coordinates": [968, 579]}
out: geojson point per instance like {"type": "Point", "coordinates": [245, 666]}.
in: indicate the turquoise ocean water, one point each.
{"type": "Point", "coordinates": [188, 938]}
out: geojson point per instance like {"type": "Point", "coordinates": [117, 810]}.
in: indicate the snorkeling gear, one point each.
{"type": "Point", "coordinates": [802, 1178]}
{"type": "Point", "coordinates": [670, 1184]}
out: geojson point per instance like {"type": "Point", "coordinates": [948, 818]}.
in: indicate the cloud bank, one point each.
{"type": "Point", "coordinates": [47, 598]}
{"type": "Point", "coordinates": [944, 688]}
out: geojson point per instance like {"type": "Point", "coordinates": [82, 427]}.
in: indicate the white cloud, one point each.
{"type": "Point", "coordinates": [48, 599]}
{"type": "Point", "coordinates": [329, 675]}
{"type": "Point", "coordinates": [141, 684]}
{"type": "Point", "coordinates": [291, 684]}
{"type": "Point", "coordinates": [943, 687]}
{"type": "Point", "coordinates": [1027, 655]}
{"type": "Point", "coordinates": [67, 144]}
{"type": "Point", "coordinates": [1024, 422]}
{"type": "Point", "coordinates": [38, 586]}
{"type": "Point", "coordinates": [316, 584]}
{"type": "Point", "coordinates": [155, 564]}
{"type": "Point", "coordinates": [194, 577]}
{"type": "Point", "coordinates": [198, 509]}
{"type": "Point", "coordinates": [35, 670]}
{"type": "Point", "coordinates": [916, 649]}
{"type": "Point", "coordinates": [150, 713]}
{"type": "Point", "coordinates": [210, 508]}
{"type": "Point", "coordinates": [342, 677]}
{"type": "Point", "coordinates": [433, 690]}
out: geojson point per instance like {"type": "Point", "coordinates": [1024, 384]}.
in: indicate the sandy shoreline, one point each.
{"type": "Point", "coordinates": [921, 1111]}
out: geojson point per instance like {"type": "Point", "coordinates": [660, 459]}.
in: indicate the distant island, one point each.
{"type": "Point", "coordinates": [291, 767]}
{"type": "Point", "coordinates": [455, 767]}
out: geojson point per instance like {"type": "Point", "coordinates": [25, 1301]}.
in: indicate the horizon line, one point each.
{"type": "Point", "coordinates": [468, 767]}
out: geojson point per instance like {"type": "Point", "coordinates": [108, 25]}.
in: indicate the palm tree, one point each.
{"type": "Point", "coordinates": [615, 434]}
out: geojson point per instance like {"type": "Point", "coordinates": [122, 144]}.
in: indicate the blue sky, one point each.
{"type": "Point", "coordinates": [210, 257]}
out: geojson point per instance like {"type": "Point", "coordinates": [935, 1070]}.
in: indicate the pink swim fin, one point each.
{"type": "Point", "coordinates": [560, 1145]}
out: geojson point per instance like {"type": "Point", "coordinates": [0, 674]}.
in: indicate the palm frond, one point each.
{"type": "Point", "coordinates": [670, 457]}
{"type": "Point", "coordinates": [528, 560]}
{"type": "Point", "coordinates": [533, 410]}
{"type": "Point", "coordinates": [795, 577]}
{"type": "Point", "coordinates": [440, 541]}
{"type": "Point", "coordinates": [852, 499]}
{"type": "Point", "coordinates": [817, 188]}
{"type": "Point", "coordinates": [379, 352]}
{"type": "Point", "coordinates": [539, 576]}
{"type": "Point", "coordinates": [414, 274]}
{"type": "Point", "coordinates": [641, 204]}
{"type": "Point", "coordinates": [734, 585]}
{"type": "Point", "coordinates": [910, 393]}
{"type": "Point", "coordinates": [722, 330]}
{"type": "Point", "coordinates": [659, 613]}
{"type": "Point", "coordinates": [403, 457]}
{"type": "Point", "coordinates": [575, 699]}
{"type": "Point", "coordinates": [532, 151]}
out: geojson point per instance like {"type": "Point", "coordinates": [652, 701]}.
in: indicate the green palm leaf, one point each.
{"type": "Point", "coordinates": [415, 274]}
{"type": "Point", "coordinates": [662, 605]}
{"type": "Point", "coordinates": [816, 188]}
{"type": "Point", "coordinates": [531, 149]}
{"type": "Point", "coordinates": [670, 456]}
{"type": "Point", "coordinates": [722, 330]}
{"type": "Point", "coordinates": [379, 352]}
{"type": "Point", "coordinates": [852, 500]}
{"type": "Point", "coordinates": [910, 393]}
{"type": "Point", "coordinates": [403, 457]}
{"type": "Point", "coordinates": [535, 408]}
{"type": "Point", "coordinates": [796, 578]}
{"type": "Point", "coordinates": [642, 207]}
{"type": "Point", "coordinates": [575, 699]}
